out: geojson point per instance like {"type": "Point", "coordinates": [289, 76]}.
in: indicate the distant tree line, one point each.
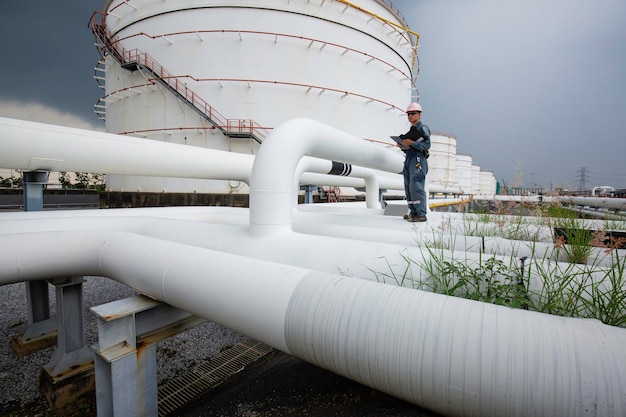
{"type": "Point", "coordinates": [67, 180]}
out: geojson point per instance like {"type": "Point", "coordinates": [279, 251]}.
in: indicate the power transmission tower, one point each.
{"type": "Point", "coordinates": [582, 184]}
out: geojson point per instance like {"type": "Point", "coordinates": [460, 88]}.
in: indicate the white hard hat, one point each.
{"type": "Point", "coordinates": [414, 107]}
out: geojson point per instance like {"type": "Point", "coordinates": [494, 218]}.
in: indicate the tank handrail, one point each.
{"type": "Point", "coordinates": [256, 32]}
{"type": "Point", "coordinates": [124, 3]}
{"type": "Point", "coordinates": [389, 4]}
{"type": "Point", "coordinates": [387, 21]}
{"type": "Point", "coordinates": [309, 86]}
{"type": "Point", "coordinates": [393, 25]}
{"type": "Point", "coordinates": [441, 133]}
{"type": "Point", "coordinates": [386, 2]}
{"type": "Point", "coordinates": [179, 128]}
{"type": "Point", "coordinates": [230, 122]}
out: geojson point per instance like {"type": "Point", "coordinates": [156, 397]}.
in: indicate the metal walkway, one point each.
{"type": "Point", "coordinates": [184, 389]}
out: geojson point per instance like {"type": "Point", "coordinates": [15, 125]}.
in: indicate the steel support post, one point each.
{"type": "Point", "coordinates": [40, 329]}
{"type": "Point", "coordinates": [117, 376]}
{"type": "Point", "coordinates": [381, 197]}
{"type": "Point", "coordinates": [34, 182]}
{"type": "Point", "coordinates": [125, 359]}
{"type": "Point", "coordinates": [308, 194]}
{"type": "Point", "coordinates": [72, 351]}
{"type": "Point", "coordinates": [69, 374]}
{"type": "Point", "coordinates": [116, 361]}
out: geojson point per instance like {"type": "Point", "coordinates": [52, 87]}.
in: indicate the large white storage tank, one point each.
{"type": "Point", "coordinates": [487, 183]}
{"type": "Point", "coordinates": [442, 160]}
{"type": "Point", "coordinates": [249, 66]}
{"type": "Point", "coordinates": [475, 187]}
{"type": "Point", "coordinates": [463, 173]}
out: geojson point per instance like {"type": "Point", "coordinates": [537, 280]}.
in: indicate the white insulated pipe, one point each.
{"type": "Point", "coordinates": [228, 288]}
{"type": "Point", "coordinates": [387, 182]}
{"type": "Point", "coordinates": [458, 357]}
{"type": "Point", "coordinates": [271, 183]}
{"type": "Point", "coordinates": [455, 357]}
{"type": "Point", "coordinates": [370, 177]}
{"type": "Point", "coordinates": [609, 203]}
{"type": "Point", "coordinates": [615, 215]}
{"type": "Point", "coordinates": [354, 224]}
{"type": "Point", "coordinates": [318, 252]}
{"type": "Point", "coordinates": [38, 146]}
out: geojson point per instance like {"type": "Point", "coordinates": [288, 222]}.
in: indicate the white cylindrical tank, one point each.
{"type": "Point", "coordinates": [487, 183]}
{"type": "Point", "coordinates": [463, 173]}
{"type": "Point", "coordinates": [475, 179]}
{"type": "Point", "coordinates": [442, 161]}
{"type": "Point", "coordinates": [249, 66]}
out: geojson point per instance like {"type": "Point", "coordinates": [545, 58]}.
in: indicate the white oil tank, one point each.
{"type": "Point", "coordinates": [463, 173]}
{"type": "Point", "coordinates": [487, 183]}
{"type": "Point", "coordinates": [475, 178]}
{"type": "Point", "coordinates": [442, 160]}
{"type": "Point", "coordinates": [221, 74]}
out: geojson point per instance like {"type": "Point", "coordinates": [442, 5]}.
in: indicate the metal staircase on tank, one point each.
{"type": "Point", "coordinates": [135, 60]}
{"type": "Point", "coordinates": [100, 76]}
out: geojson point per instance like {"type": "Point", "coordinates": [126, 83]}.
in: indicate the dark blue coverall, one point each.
{"type": "Point", "coordinates": [416, 168]}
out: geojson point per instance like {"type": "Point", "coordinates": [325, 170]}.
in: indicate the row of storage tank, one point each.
{"type": "Point", "coordinates": [455, 172]}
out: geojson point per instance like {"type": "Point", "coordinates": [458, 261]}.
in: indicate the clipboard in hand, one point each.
{"type": "Point", "coordinates": [398, 140]}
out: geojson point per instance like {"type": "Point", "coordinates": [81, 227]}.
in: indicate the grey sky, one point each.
{"type": "Point", "coordinates": [539, 82]}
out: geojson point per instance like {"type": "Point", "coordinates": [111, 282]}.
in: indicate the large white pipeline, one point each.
{"type": "Point", "coordinates": [610, 203]}
{"type": "Point", "coordinates": [390, 244]}
{"type": "Point", "coordinates": [453, 356]}
{"type": "Point", "coordinates": [456, 357]}
{"type": "Point", "coordinates": [38, 146]}
{"type": "Point", "coordinates": [607, 203]}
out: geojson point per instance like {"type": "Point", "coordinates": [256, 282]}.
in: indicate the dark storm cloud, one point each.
{"type": "Point", "coordinates": [48, 54]}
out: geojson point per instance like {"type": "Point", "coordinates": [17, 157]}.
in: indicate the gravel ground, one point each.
{"type": "Point", "coordinates": [18, 376]}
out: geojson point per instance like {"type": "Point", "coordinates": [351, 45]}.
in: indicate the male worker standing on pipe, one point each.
{"type": "Point", "coordinates": [415, 144]}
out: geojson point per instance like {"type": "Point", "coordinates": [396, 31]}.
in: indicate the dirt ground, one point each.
{"type": "Point", "coordinates": [283, 386]}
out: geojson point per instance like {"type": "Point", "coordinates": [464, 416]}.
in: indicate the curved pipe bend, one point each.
{"type": "Point", "coordinates": [271, 183]}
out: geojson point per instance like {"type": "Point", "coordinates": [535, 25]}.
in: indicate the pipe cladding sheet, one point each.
{"type": "Point", "coordinates": [455, 356]}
